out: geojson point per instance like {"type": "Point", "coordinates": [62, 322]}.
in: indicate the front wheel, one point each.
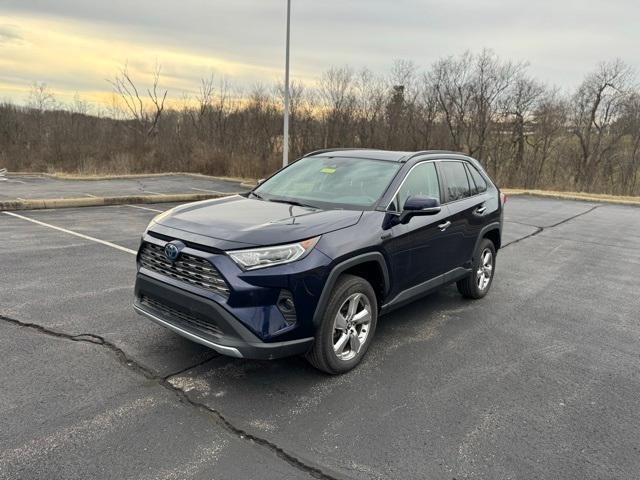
{"type": "Point", "coordinates": [347, 328]}
{"type": "Point", "coordinates": [477, 284]}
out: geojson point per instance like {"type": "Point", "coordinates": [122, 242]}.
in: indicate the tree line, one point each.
{"type": "Point", "coordinates": [526, 133]}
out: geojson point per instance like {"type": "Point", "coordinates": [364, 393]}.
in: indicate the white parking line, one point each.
{"type": "Point", "coordinates": [144, 208]}
{"type": "Point", "coordinates": [86, 237]}
{"type": "Point", "coordinates": [155, 193]}
{"type": "Point", "coordinates": [89, 195]}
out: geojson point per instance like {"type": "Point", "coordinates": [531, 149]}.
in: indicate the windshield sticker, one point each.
{"type": "Point", "coordinates": [328, 170]}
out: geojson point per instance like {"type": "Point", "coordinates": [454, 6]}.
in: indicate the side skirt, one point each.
{"type": "Point", "coordinates": [424, 288]}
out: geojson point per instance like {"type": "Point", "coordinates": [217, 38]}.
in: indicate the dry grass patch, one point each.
{"type": "Point", "coordinates": [593, 197]}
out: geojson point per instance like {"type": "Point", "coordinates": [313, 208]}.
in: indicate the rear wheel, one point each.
{"type": "Point", "coordinates": [347, 328]}
{"type": "Point", "coordinates": [477, 284]}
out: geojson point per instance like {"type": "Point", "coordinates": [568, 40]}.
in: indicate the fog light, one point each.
{"type": "Point", "coordinates": [287, 307]}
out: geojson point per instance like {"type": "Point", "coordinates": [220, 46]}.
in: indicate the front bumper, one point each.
{"type": "Point", "coordinates": [204, 321]}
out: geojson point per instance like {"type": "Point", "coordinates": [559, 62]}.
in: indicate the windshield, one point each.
{"type": "Point", "coordinates": [330, 182]}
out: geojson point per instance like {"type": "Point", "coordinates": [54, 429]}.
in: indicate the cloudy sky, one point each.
{"type": "Point", "coordinates": [75, 45]}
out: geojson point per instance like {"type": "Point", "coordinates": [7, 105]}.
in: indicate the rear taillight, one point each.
{"type": "Point", "coordinates": [503, 199]}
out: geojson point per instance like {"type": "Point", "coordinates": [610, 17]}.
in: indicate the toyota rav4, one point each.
{"type": "Point", "coordinates": [306, 262]}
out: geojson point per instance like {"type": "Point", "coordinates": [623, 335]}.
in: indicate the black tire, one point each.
{"type": "Point", "coordinates": [472, 286]}
{"type": "Point", "coordinates": [322, 354]}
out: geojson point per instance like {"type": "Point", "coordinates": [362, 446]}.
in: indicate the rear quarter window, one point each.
{"type": "Point", "coordinates": [477, 179]}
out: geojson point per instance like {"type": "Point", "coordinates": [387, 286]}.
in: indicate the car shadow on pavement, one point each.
{"type": "Point", "coordinates": [418, 321]}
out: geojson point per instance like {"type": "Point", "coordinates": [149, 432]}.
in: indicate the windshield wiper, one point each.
{"type": "Point", "coordinates": [293, 202]}
{"type": "Point", "coordinates": [281, 200]}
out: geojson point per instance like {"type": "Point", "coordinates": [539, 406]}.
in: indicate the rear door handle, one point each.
{"type": "Point", "coordinates": [481, 209]}
{"type": "Point", "coordinates": [444, 226]}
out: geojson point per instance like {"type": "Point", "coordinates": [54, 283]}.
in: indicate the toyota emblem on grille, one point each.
{"type": "Point", "coordinates": [172, 250]}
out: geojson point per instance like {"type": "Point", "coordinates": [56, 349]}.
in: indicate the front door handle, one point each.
{"type": "Point", "coordinates": [444, 226]}
{"type": "Point", "coordinates": [481, 209]}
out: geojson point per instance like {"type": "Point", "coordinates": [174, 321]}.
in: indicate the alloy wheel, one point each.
{"type": "Point", "coordinates": [485, 269]}
{"type": "Point", "coordinates": [351, 326]}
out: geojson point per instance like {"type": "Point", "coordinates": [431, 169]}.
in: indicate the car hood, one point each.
{"type": "Point", "coordinates": [251, 222]}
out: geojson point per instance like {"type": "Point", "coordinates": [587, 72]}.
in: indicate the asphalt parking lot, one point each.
{"type": "Point", "coordinates": [540, 379]}
{"type": "Point", "coordinates": [28, 187]}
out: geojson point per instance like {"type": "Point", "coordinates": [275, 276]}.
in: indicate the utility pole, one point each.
{"type": "Point", "coordinates": [285, 136]}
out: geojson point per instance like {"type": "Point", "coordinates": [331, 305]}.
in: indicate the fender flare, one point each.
{"type": "Point", "coordinates": [485, 229]}
{"type": "Point", "coordinates": [341, 267]}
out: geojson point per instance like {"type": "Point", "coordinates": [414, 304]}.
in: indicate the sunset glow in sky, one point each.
{"type": "Point", "coordinates": [71, 56]}
{"type": "Point", "coordinates": [75, 46]}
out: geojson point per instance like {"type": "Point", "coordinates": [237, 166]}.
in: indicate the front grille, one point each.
{"type": "Point", "coordinates": [195, 246]}
{"type": "Point", "coordinates": [181, 318]}
{"type": "Point", "coordinates": [188, 269]}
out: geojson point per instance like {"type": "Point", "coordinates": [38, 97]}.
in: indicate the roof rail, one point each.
{"type": "Point", "coordinates": [328, 150]}
{"type": "Point", "coordinates": [430, 152]}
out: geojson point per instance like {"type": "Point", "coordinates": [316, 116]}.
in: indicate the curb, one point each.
{"type": "Point", "coordinates": [584, 197]}
{"type": "Point", "coordinates": [63, 176]}
{"type": "Point", "coordinates": [49, 203]}
{"type": "Point", "coordinates": [46, 203]}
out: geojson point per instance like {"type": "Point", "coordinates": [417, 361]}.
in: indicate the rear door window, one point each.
{"type": "Point", "coordinates": [456, 182]}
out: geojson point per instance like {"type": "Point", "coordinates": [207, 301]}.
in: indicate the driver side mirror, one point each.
{"type": "Point", "coordinates": [417, 206]}
{"type": "Point", "coordinates": [260, 181]}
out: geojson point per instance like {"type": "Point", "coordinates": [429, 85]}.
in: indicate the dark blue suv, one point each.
{"type": "Point", "coordinates": [307, 261]}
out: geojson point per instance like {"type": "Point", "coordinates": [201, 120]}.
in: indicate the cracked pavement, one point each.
{"type": "Point", "coordinates": [538, 380]}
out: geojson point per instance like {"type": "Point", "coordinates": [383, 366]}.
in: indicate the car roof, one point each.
{"type": "Point", "coordinates": [373, 154]}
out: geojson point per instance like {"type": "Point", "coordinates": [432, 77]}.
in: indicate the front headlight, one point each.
{"type": "Point", "coordinates": [267, 256]}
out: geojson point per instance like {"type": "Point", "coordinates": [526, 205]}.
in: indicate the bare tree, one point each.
{"type": "Point", "coordinates": [297, 99]}
{"type": "Point", "coordinates": [79, 105]}
{"type": "Point", "coordinates": [41, 97]}
{"type": "Point", "coordinates": [630, 163]}
{"type": "Point", "coordinates": [370, 95]}
{"type": "Point", "coordinates": [451, 79]}
{"type": "Point", "coordinates": [596, 105]}
{"type": "Point", "coordinates": [491, 79]}
{"type": "Point", "coordinates": [548, 127]}
{"type": "Point", "coordinates": [205, 94]}
{"type": "Point", "coordinates": [145, 113]}
{"type": "Point", "coordinates": [524, 132]}
{"type": "Point", "coordinates": [427, 120]}
{"type": "Point", "coordinates": [337, 92]}
{"type": "Point", "coordinates": [519, 105]}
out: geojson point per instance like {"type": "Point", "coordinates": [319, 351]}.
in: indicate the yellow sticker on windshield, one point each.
{"type": "Point", "coordinates": [328, 170]}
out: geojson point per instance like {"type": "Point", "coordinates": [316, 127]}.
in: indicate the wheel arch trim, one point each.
{"type": "Point", "coordinates": [487, 228]}
{"type": "Point", "coordinates": [340, 268]}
